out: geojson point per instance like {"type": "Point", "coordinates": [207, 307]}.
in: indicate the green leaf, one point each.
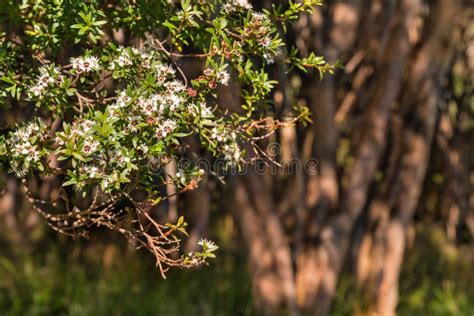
{"type": "Point", "coordinates": [70, 182]}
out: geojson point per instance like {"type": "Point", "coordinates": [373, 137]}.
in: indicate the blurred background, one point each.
{"type": "Point", "coordinates": [385, 225]}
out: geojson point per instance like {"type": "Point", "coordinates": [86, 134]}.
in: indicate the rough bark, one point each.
{"type": "Point", "coordinates": [269, 252]}
{"type": "Point", "coordinates": [322, 189]}
{"type": "Point", "coordinates": [386, 247]}
{"type": "Point", "coordinates": [321, 264]}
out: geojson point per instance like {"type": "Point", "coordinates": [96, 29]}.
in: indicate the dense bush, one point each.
{"type": "Point", "coordinates": [99, 99]}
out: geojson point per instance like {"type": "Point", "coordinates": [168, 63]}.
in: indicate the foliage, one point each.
{"type": "Point", "coordinates": [107, 114]}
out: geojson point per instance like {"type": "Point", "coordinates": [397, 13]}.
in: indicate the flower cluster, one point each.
{"type": "Point", "coordinates": [200, 110]}
{"type": "Point", "coordinates": [125, 141]}
{"type": "Point", "coordinates": [85, 64]}
{"type": "Point", "coordinates": [26, 146]}
{"type": "Point", "coordinates": [227, 144]}
{"type": "Point", "coordinates": [234, 5]}
{"type": "Point", "coordinates": [165, 128]}
{"type": "Point", "coordinates": [48, 78]}
{"type": "Point", "coordinates": [109, 148]}
{"type": "Point", "coordinates": [98, 151]}
{"type": "Point", "coordinates": [124, 58]}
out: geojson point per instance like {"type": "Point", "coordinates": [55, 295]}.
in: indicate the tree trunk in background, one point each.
{"type": "Point", "coordinates": [387, 246]}
{"type": "Point", "coordinates": [9, 202]}
{"type": "Point", "coordinates": [327, 256]}
{"type": "Point", "coordinates": [322, 188]}
{"type": "Point", "coordinates": [385, 106]}
{"type": "Point", "coordinates": [269, 252]}
{"type": "Point", "coordinates": [198, 201]}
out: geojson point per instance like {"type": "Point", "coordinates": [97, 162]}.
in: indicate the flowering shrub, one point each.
{"type": "Point", "coordinates": [109, 103]}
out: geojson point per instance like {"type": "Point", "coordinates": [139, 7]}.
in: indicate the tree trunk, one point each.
{"type": "Point", "coordinates": [322, 262]}
{"type": "Point", "coordinates": [384, 250]}
{"type": "Point", "coordinates": [269, 252]}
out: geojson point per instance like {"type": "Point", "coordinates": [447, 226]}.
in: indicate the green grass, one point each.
{"type": "Point", "coordinates": [53, 285]}
{"type": "Point", "coordinates": [89, 278]}
{"type": "Point", "coordinates": [437, 279]}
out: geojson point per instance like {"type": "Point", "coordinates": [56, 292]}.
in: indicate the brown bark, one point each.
{"type": "Point", "coordinates": [269, 252]}
{"type": "Point", "coordinates": [319, 266]}
{"type": "Point", "coordinates": [322, 191]}
{"type": "Point", "coordinates": [199, 208]}
{"type": "Point", "coordinates": [384, 250]}
{"type": "Point", "coordinates": [9, 202]}
{"type": "Point", "coordinates": [454, 202]}
{"type": "Point", "coordinates": [411, 176]}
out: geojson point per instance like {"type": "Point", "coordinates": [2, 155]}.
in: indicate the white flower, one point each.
{"type": "Point", "coordinates": [228, 8]}
{"type": "Point", "coordinates": [223, 77]}
{"type": "Point", "coordinates": [105, 183]}
{"type": "Point", "coordinates": [180, 177]}
{"type": "Point", "coordinates": [151, 106]}
{"type": "Point", "coordinates": [165, 128]}
{"type": "Point", "coordinates": [205, 110]}
{"type": "Point", "coordinates": [85, 126]}
{"type": "Point", "coordinates": [37, 90]}
{"type": "Point", "coordinates": [133, 123]}
{"type": "Point", "coordinates": [35, 156]}
{"type": "Point", "coordinates": [202, 109]}
{"type": "Point", "coordinates": [175, 86]}
{"type": "Point", "coordinates": [47, 77]}
{"type": "Point", "coordinates": [217, 135]}
{"type": "Point", "coordinates": [243, 3]}
{"type": "Point", "coordinates": [90, 146]}
{"type": "Point", "coordinates": [144, 148]}
{"type": "Point", "coordinates": [174, 101]}
{"type": "Point", "coordinates": [124, 61]}
{"type": "Point", "coordinates": [163, 72]}
{"type": "Point", "coordinates": [232, 5]}
{"type": "Point", "coordinates": [147, 106]}
{"type": "Point", "coordinates": [258, 16]}
{"type": "Point", "coordinates": [269, 58]}
{"type": "Point", "coordinates": [93, 172]}
{"type": "Point", "coordinates": [146, 60]}
{"type": "Point", "coordinates": [265, 41]}
{"type": "Point", "coordinates": [191, 109]}
{"type": "Point", "coordinates": [122, 99]}
{"type": "Point", "coordinates": [208, 247]}
{"type": "Point", "coordinates": [124, 58]}
{"type": "Point", "coordinates": [85, 64]}
{"type": "Point", "coordinates": [208, 243]}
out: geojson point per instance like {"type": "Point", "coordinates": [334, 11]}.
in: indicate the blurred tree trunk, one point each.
{"type": "Point", "coordinates": [269, 252]}
{"type": "Point", "coordinates": [198, 202]}
{"type": "Point", "coordinates": [325, 256]}
{"type": "Point", "coordinates": [9, 204]}
{"type": "Point", "coordinates": [420, 103]}
{"type": "Point", "coordinates": [385, 105]}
